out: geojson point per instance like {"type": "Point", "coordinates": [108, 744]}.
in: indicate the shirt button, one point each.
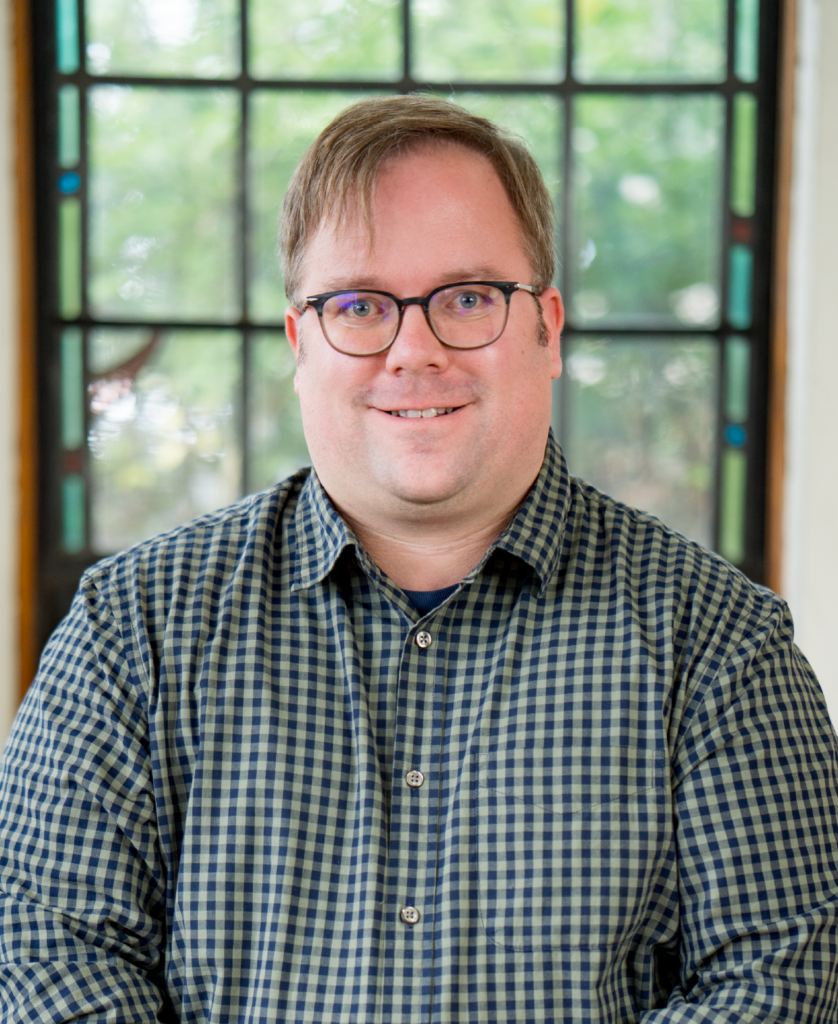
{"type": "Point", "coordinates": [410, 915]}
{"type": "Point", "coordinates": [414, 779]}
{"type": "Point", "coordinates": [424, 639]}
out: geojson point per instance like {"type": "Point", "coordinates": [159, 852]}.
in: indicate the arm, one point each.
{"type": "Point", "coordinates": [756, 795]}
{"type": "Point", "coordinates": [82, 884]}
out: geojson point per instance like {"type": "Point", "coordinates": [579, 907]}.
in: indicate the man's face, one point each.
{"type": "Point", "coordinates": [440, 215]}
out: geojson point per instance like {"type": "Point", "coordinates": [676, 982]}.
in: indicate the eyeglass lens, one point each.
{"type": "Point", "coordinates": [463, 316]}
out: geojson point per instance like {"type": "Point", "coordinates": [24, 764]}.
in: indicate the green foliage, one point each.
{"type": "Point", "coordinates": [162, 202]}
{"type": "Point", "coordinates": [650, 40]}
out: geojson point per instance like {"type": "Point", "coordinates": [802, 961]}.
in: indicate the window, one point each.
{"type": "Point", "coordinates": [166, 130]}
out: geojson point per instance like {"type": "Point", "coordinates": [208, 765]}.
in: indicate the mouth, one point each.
{"type": "Point", "coordinates": [425, 414]}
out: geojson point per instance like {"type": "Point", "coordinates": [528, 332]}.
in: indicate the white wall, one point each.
{"type": "Point", "coordinates": [8, 386]}
{"type": "Point", "coordinates": [810, 569]}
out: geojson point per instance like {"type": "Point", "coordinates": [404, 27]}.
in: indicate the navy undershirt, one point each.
{"type": "Point", "coordinates": [426, 600]}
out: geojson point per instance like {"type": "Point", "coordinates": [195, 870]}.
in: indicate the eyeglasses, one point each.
{"type": "Point", "coordinates": [469, 314]}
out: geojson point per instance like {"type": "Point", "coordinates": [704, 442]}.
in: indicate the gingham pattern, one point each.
{"type": "Point", "coordinates": [628, 814]}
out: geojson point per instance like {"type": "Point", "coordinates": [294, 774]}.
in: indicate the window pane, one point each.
{"type": "Point", "coordinates": [67, 36]}
{"type": "Point", "coordinates": [651, 40]}
{"type": "Point", "coordinates": [741, 278]}
{"type": "Point", "coordinates": [163, 203]}
{"type": "Point", "coordinates": [472, 41]}
{"type": "Point", "coordinates": [275, 427]}
{"type": "Point", "coordinates": [282, 126]}
{"type": "Point", "coordinates": [734, 484]}
{"type": "Point", "coordinates": [342, 39]}
{"type": "Point", "coordinates": [69, 131]}
{"type": "Point", "coordinates": [163, 441]}
{"type": "Point", "coordinates": [743, 171]}
{"type": "Point", "coordinates": [746, 52]}
{"type": "Point", "coordinates": [163, 37]}
{"type": "Point", "coordinates": [646, 210]}
{"type": "Point", "coordinates": [640, 422]}
{"type": "Point", "coordinates": [69, 258]}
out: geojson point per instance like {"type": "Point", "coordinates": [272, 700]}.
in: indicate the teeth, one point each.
{"type": "Point", "coordinates": [426, 414]}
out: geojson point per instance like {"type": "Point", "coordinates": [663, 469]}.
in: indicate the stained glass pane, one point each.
{"type": "Point", "coordinates": [72, 389]}
{"type": "Point", "coordinates": [739, 296]}
{"type": "Point", "coordinates": [732, 519]}
{"type": "Point", "coordinates": [646, 208]}
{"type": "Point", "coordinates": [282, 126]}
{"type": "Point", "coordinates": [67, 36]}
{"type": "Point", "coordinates": [315, 39]}
{"type": "Point", "coordinates": [746, 50]}
{"type": "Point", "coordinates": [163, 439]}
{"type": "Point", "coordinates": [69, 137]}
{"type": "Point", "coordinates": [73, 513]}
{"type": "Point", "coordinates": [472, 41]}
{"type": "Point", "coordinates": [163, 37]}
{"type": "Point", "coordinates": [69, 258]}
{"type": "Point", "coordinates": [737, 379]}
{"type": "Point", "coordinates": [639, 422]}
{"type": "Point", "coordinates": [650, 40]}
{"type": "Point", "coordinates": [275, 429]}
{"type": "Point", "coordinates": [162, 193]}
{"type": "Point", "coordinates": [743, 172]}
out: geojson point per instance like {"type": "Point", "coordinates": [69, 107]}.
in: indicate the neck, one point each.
{"type": "Point", "coordinates": [429, 555]}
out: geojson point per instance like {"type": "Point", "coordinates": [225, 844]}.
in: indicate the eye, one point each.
{"type": "Point", "coordinates": [360, 307]}
{"type": "Point", "coordinates": [469, 300]}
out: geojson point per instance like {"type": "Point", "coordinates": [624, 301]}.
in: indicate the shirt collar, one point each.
{"type": "Point", "coordinates": [533, 535]}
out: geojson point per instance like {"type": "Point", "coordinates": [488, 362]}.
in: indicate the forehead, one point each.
{"type": "Point", "coordinates": [441, 205]}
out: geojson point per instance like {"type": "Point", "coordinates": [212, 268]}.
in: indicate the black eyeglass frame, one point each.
{"type": "Point", "coordinates": [506, 287]}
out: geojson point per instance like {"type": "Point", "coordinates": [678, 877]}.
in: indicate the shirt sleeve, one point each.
{"type": "Point", "coordinates": [82, 880]}
{"type": "Point", "coordinates": [756, 797]}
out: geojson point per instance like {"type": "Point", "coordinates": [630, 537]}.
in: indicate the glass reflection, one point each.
{"type": "Point", "coordinates": [162, 437]}
{"type": "Point", "coordinates": [639, 422]}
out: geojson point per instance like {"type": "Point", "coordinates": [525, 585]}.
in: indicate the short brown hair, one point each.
{"type": "Point", "coordinates": [343, 163]}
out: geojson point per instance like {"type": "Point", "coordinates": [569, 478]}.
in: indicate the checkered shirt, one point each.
{"type": "Point", "coordinates": [627, 813]}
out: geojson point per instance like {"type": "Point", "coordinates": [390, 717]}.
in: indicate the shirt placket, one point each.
{"type": "Point", "coordinates": [414, 815]}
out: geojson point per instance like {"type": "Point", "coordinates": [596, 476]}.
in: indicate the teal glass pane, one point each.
{"type": "Point", "coordinates": [282, 126]}
{"type": "Point", "coordinates": [73, 513]}
{"type": "Point", "coordinates": [69, 130]}
{"type": "Point", "coordinates": [198, 38]}
{"type": "Point", "coordinates": [316, 39]}
{"type": "Point", "coordinates": [739, 294]}
{"type": "Point", "coordinates": [472, 41]}
{"type": "Point", "coordinates": [277, 446]}
{"type": "Point", "coordinates": [650, 40]}
{"type": "Point", "coordinates": [743, 173]}
{"type": "Point", "coordinates": [163, 440]}
{"type": "Point", "coordinates": [737, 379]}
{"type": "Point", "coordinates": [640, 421]}
{"type": "Point", "coordinates": [69, 258]}
{"type": "Point", "coordinates": [536, 117]}
{"type": "Point", "coordinates": [746, 50]}
{"type": "Point", "coordinates": [732, 507]}
{"type": "Point", "coordinates": [72, 389]}
{"type": "Point", "coordinates": [645, 208]}
{"type": "Point", "coordinates": [162, 200]}
{"type": "Point", "coordinates": [67, 36]}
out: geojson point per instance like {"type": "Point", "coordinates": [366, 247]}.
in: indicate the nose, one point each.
{"type": "Point", "coordinates": [416, 348]}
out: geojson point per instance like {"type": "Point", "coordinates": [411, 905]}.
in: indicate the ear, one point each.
{"type": "Point", "coordinates": [553, 309]}
{"type": "Point", "coordinates": [293, 332]}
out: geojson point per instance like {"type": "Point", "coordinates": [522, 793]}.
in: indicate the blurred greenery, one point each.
{"type": "Point", "coordinates": [650, 40]}
{"type": "Point", "coordinates": [488, 40]}
{"type": "Point", "coordinates": [199, 38]}
{"type": "Point", "coordinates": [640, 424]}
{"type": "Point", "coordinates": [317, 39]}
{"type": "Point", "coordinates": [163, 441]}
{"type": "Point", "coordinates": [162, 203]}
{"type": "Point", "coordinates": [646, 208]}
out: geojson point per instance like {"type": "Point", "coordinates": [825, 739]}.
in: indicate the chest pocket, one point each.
{"type": "Point", "coordinates": [557, 878]}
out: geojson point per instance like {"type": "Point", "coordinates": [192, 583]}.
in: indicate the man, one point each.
{"type": "Point", "coordinates": [435, 732]}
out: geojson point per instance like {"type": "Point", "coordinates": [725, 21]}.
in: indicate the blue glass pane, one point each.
{"type": "Point", "coordinates": [741, 277]}
{"type": "Point", "coordinates": [72, 389]}
{"type": "Point", "coordinates": [67, 36]}
{"type": "Point", "coordinates": [69, 182]}
{"type": "Point", "coordinates": [736, 435]}
{"type": "Point", "coordinates": [73, 514]}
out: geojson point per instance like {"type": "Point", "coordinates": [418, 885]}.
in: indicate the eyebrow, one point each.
{"type": "Point", "coordinates": [375, 284]}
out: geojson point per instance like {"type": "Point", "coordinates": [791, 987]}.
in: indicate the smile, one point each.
{"type": "Point", "coordinates": [425, 414]}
